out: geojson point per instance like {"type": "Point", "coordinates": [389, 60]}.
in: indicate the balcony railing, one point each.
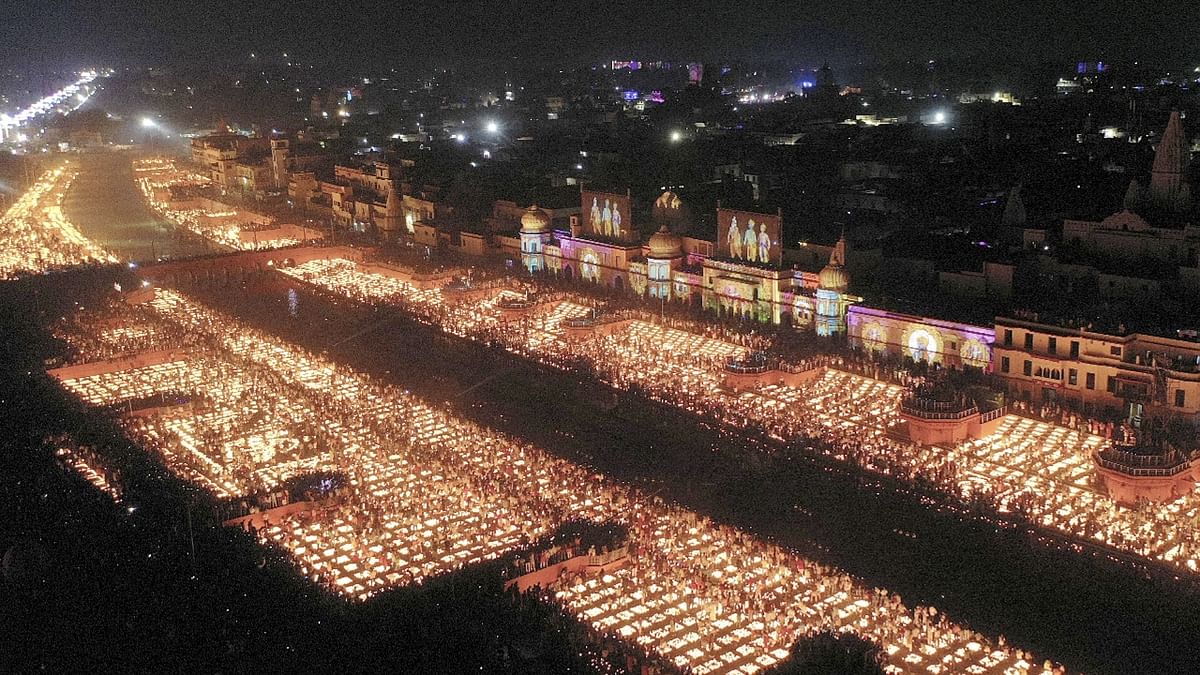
{"type": "Point", "coordinates": [990, 415]}
{"type": "Point", "coordinates": [753, 364]}
{"type": "Point", "coordinates": [1142, 466]}
{"type": "Point", "coordinates": [591, 321]}
{"type": "Point", "coordinates": [510, 302]}
{"type": "Point", "coordinates": [936, 410]}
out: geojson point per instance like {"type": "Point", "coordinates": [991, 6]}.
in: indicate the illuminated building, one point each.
{"type": "Point", "coordinates": [948, 344]}
{"type": "Point", "coordinates": [832, 301]}
{"type": "Point", "coordinates": [535, 232]}
{"type": "Point", "coordinates": [1141, 374]}
{"type": "Point", "coordinates": [252, 164]}
{"type": "Point", "coordinates": [221, 152]}
{"type": "Point", "coordinates": [288, 158]}
{"type": "Point", "coordinates": [664, 254]}
{"type": "Point", "coordinates": [367, 195]}
{"type": "Point", "coordinates": [721, 276]}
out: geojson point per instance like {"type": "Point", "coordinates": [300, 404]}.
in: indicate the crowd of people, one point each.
{"type": "Point", "coordinates": [851, 412]}
{"type": "Point", "coordinates": [35, 235]}
{"type": "Point", "coordinates": [429, 493]}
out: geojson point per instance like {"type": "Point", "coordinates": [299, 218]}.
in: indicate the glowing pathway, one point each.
{"type": "Point", "coordinates": [1041, 470]}
{"type": "Point", "coordinates": [430, 493]}
{"type": "Point", "coordinates": [36, 237]}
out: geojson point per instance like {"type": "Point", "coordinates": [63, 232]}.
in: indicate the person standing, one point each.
{"type": "Point", "coordinates": [735, 239]}
{"type": "Point", "coordinates": [750, 243]}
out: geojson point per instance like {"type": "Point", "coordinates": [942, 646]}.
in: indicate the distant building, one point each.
{"type": "Point", "coordinates": [1156, 222]}
{"type": "Point", "coordinates": [686, 269]}
{"type": "Point", "coordinates": [253, 164]}
{"type": "Point", "coordinates": [367, 196]}
{"type": "Point", "coordinates": [221, 152]}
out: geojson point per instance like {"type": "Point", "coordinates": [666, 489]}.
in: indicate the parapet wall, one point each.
{"type": "Point", "coordinates": [951, 431]}
{"type": "Point", "coordinates": [599, 329]}
{"type": "Point", "coordinates": [248, 261]}
{"type": "Point", "coordinates": [120, 364]}
{"type": "Point", "coordinates": [422, 280]}
{"type": "Point", "coordinates": [743, 381]}
{"type": "Point", "coordinates": [590, 565]}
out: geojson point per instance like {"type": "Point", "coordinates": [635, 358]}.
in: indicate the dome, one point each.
{"type": "Point", "coordinates": [664, 244]}
{"type": "Point", "coordinates": [834, 276]}
{"type": "Point", "coordinates": [534, 221]}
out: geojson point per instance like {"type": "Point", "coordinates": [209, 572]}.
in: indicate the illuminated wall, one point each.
{"type": "Point", "coordinates": [597, 262]}
{"type": "Point", "coordinates": [947, 343]}
{"type": "Point", "coordinates": [748, 291]}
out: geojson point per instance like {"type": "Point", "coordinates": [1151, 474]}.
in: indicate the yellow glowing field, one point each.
{"type": "Point", "coordinates": [35, 235]}
{"type": "Point", "coordinates": [1042, 470]}
{"type": "Point", "coordinates": [430, 493]}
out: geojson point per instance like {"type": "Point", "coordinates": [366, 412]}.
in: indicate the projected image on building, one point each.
{"type": "Point", "coordinates": [606, 215]}
{"type": "Point", "coordinates": [750, 237]}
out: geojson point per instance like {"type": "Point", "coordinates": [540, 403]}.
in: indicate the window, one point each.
{"type": "Point", "coordinates": [1007, 338]}
{"type": "Point", "coordinates": [1112, 385]}
{"type": "Point", "coordinates": [1053, 345]}
{"type": "Point", "coordinates": [1029, 341]}
{"type": "Point", "coordinates": [1091, 380]}
{"type": "Point", "coordinates": [1180, 396]}
{"type": "Point", "coordinates": [1004, 364]}
{"type": "Point", "coordinates": [1074, 349]}
{"type": "Point", "coordinates": [1028, 367]}
{"type": "Point", "coordinates": [1072, 377]}
{"type": "Point", "coordinates": [1115, 351]}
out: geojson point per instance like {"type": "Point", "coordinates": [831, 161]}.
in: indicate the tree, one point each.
{"type": "Point", "coordinates": [832, 653]}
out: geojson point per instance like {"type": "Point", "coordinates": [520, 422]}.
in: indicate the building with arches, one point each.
{"type": "Point", "coordinates": [684, 269]}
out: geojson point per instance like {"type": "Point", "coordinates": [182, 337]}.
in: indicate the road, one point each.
{"type": "Point", "coordinates": [106, 206]}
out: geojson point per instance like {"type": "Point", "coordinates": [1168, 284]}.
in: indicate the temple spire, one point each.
{"type": "Point", "coordinates": [1170, 160]}
{"type": "Point", "coordinates": [392, 205]}
{"type": "Point", "coordinates": [1014, 209]}
{"type": "Point", "coordinates": [1133, 196]}
{"type": "Point", "coordinates": [838, 257]}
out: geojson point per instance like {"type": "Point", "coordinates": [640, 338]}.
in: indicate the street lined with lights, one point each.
{"type": "Point", "coordinates": [35, 235]}
{"type": "Point", "coordinates": [46, 104]}
{"type": "Point", "coordinates": [227, 226]}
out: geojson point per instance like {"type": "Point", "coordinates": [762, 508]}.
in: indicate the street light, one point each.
{"type": "Point", "coordinates": [493, 127]}
{"type": "Point", "coordinates": [676, 136]}
{"type": "Point", "coordinates": [148, 123]}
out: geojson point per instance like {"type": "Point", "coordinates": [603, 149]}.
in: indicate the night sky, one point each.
{"type": "Point", "coordinates": [147, 32]}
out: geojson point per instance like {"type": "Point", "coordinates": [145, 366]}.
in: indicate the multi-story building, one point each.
{"type": "Point", "coordinates": [220, 152]}
{"type": "Point", "coordinates": [253, 164]}
{"type": "Point", "coordinates": [370, 195]}
{"type": "Point", "coordinates": [688, 269]}
{"type": "Point", "coordinates": [1137, 373]}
